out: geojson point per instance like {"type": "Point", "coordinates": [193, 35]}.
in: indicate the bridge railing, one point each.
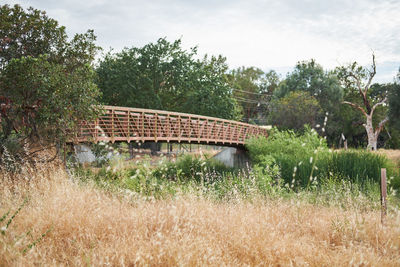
{"type": "Point", "coordinates": [134, 124]}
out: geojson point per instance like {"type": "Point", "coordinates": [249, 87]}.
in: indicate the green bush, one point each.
{"type": "Point", "coordinates": [187, 174]}
{"type": "Point", "coordinates": [305, 160]}
{"type": "Point", "coordinates": [11, 152]}
{"type": "Point", "coordinates": [359, 165]}
{"type": "Point", "coordinates": [294, 154]}
{"type": "Point", "coordinates": [189, 168]}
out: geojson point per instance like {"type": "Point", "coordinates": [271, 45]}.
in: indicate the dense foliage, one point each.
{"type": "Point", "coordinates": [295, 110]}
{"type": "Point", "coordinates": [309, 77]}
{"type": "Point", "coordinates": [163, 75]}
{"type": "Point", "coordinates": [187, 174]}
{"type": "Point", "coordinates": [305, 160]}
{"type": "Point", "coordinates": [46, 81]}
{"type": "Point", "coordinates": [394, 103]}
{"type": "Point", "coordinates": [252, 88]}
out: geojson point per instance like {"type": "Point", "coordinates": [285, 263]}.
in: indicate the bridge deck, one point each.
{"type": "Point", "coordinates": [140, 125]}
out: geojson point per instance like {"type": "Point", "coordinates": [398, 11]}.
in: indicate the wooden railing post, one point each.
{"type": "Point", "coordinates": [168, 128]}
{"type": "Point", "coordinates": [223, 133]}
{"type": "Point", "coordinates": [189, 127]}
{"type": "Point", "coordinates": [207, 131]}
{"type": "Point", "coordinates": [129, 126]}
{"type": "Point", "coordinates": [179, 128]}
{"type": "Point", "coordinates": [142, 130]}
{"type": "Point", "coordinates": [112, 125]}
{"type": "Point", "coordinates": [96, 130]}
{"type": "Point", "coordinates": [155, 126]}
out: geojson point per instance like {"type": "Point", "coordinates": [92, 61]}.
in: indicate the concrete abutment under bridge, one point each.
{"type": "Point", "coordinates": [230, 156]}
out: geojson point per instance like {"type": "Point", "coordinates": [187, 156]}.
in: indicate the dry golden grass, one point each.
{"type": "Point", "coordinates": [393, 154]}
{"type": "Point", "coordinates": [93, 227]}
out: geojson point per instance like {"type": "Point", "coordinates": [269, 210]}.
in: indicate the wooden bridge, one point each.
{"type": "Point", "coordinates": [121, 124]}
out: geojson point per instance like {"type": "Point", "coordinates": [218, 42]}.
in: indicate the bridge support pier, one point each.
{"type": "Point", "coordinates": [84, 154]}
{"type": "Point", "coordinates": [130, 144]}
{"type": "Point", "coordinates": [233, 157]}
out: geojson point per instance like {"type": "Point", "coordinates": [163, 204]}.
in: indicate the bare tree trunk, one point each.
{"type": "Point", "coordinates": [372, 133]}
{"type": "Point", "coordinates": [372, 137]}
{"type": "Point", "coordinates": [367, 110]}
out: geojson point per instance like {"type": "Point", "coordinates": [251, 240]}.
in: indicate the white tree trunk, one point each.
{"type": "Point", "coordinates": [372, 135]}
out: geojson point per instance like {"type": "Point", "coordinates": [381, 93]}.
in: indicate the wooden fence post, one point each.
{"type": "Point", "coordinates": [383, 195]}
{"type": "Point", "coordinates": [65, 154]}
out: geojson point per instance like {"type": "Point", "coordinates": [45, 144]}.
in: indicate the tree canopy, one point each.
{"type": "Point", "coordinates": [46, 81]}
{"type": "Point", "coordinates": [310, 77]}
{"type": "Point", "coordinates": [252, 88]}
{"type": "Point", "coordinates": [394, 103]}
{"type": "Point", "coordinates": [163, 75]}
{"type": "Point", "coordinates": [323, 86]}
{"type": "Point", "coordinates": [295, 110]}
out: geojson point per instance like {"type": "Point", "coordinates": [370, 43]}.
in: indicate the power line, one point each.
{"type": "Point", "coordinates": [247, 101]}
{"type": "Point", "coordinates": [240, 99]}
{"type": "Point", "coordinates": [248, 92]}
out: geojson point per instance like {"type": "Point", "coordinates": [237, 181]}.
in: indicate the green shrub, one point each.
{"type": "Point", "coordinates": [189, 168]}
{"type": "Point", "coordinates": [294, 154]}
{"type": "Point", "coordinates": [305, 160]}
{"type": "Point", "coordinates": [11, 153]}
{"type": "Point", "coordinates": [358, 165]}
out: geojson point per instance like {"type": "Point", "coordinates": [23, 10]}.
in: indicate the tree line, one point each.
{"type": "Point", "coordinates": [343, 104]}
{"type": "Point", "coordinates": [49, 82]}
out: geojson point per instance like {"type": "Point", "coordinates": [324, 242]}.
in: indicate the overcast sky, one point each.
{"type": "Point", "coordinates": [266, 34]}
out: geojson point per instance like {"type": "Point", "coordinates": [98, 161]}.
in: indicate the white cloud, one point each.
{"type": "Point", "coordinates": [266, 34]}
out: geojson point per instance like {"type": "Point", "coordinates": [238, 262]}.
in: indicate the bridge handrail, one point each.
{"type": "Point", "coordinates": [141, 110]}
{"type": "Point", "coordinates": [141, 125]}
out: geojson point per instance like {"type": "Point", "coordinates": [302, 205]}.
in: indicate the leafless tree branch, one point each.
{"type": "Point", "coordinates": [378, 104]}
{"type": "Point", "coordinates": [379, 128]}
{"type": "Point", "coordinates": [355, 106]}
{"type": "Point", "coordinates": [371, 74]}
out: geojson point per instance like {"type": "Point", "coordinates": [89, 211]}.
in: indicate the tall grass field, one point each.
{"type": "Point", "coordinates": [299, 204]}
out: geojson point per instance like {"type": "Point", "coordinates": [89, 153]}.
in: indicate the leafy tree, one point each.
{"type": "Point", "coordinates": [310, 77]}
{"type": "Point", "coordinates": [46, 81]}
{"type": "Point", "coordinates": [143, 77]}
{"type": "Point", "coordinates": [162, 75]}
{"type": "Point", "coordinates": [244, 82]}
{"type": "Point", "coordinates": [350, 125]}
{"type": "Point", "coordinates": [358, 81]}
{"type": "Point", "coordinates": [33, 33]}
{"type": "Point", "coordinates": [295, 110]}
{"type": "Point", "coordinates": [270, 82]}
{"type": "Point", "coordinates": [252, 89]}
{"type": "Point", "coordinates": [393, 127]}
{"type": "Point", "coordinates": [212, 95]}
{"type": "Point", "coordinates": [394, 103]}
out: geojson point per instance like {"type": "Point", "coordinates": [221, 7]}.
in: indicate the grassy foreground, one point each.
{"type": "Point", "coordinates": [84, 225]}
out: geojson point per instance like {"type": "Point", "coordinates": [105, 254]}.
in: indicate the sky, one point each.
{"type": "Point", "coordinates": [262, 33]}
